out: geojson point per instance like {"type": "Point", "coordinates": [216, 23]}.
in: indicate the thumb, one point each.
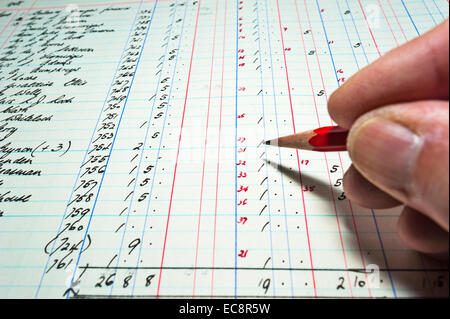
{"type": "Point", "coordinates": [403, 149]}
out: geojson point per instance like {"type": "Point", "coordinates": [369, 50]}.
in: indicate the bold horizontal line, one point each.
{"type": "Point", "coordinates": [268, 269]}
{"type": "Point", "coordinates": [217, 297]}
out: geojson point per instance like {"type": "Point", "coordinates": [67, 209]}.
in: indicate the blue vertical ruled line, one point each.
{"type": "Point", "coordinates": [328, 44]}
{"type": "Point", "coordinates": [429, 12]}
{"type": "Point", "coordinates": [346, 32]}
{"type": "Point", "coordinates": [265, 147]}
{"type": "Point", "coordinates": [278, 135]}
{"type": "Point", "coordinates": [384, 254]}
{"type": "Point", "coordinates": [235, 152]}
{"type": "Point", "coordinates": [439, 9]}
{"type": "Point", "coordinates": [372, 211]}
{"type": "Point", "coordinates": [418, 33]}
{"type": "Point", "coordinates": [88, 147]}
{"type": "Point", "coordinates": [326, 160]}
{"type": "Point", "coordinates": [159, 147]}
{"type": "Point", "coordinates": [113, 142]}
{"type": "Point", "coordinates": [373, 214]}
{"type": "Point", "coordinates": [357, 33]}
{"type": "Point", "coordinates": [410, 18]}
{"type": "Point", "coordinates": [140, 161]}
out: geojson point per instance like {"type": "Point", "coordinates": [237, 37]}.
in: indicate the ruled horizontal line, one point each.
{"type": "Point", "coordinates": [359, 270]}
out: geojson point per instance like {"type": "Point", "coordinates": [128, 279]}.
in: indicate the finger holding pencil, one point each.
{"type": "Point", "coordinates": [324, 139]}
{"type": "Point", "coordinates": [393, 119]}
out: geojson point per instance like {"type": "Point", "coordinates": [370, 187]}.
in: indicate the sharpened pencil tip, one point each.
{"type": "Point", "coordinates": [267, 142]}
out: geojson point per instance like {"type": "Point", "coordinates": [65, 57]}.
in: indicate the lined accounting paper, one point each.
{"type": "Point", "coordinates": [131, 155]}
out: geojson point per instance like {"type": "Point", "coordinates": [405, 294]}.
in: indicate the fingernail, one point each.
{"type": "Point", "coordinates": [385, 152]}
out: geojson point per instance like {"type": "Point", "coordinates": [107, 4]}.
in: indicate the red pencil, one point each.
{"type": "Point", "coordinates": [324, 139]}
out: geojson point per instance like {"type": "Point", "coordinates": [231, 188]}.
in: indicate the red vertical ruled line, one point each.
{"type": "Point", "coordinates": [373, 213]}
{"type": "Point", "coordinates": [178, 152]}
{"type": "Point", "coordinates": [370, 29]}
{"type": "Point", "coordinates": [396, 18]}
{"type": "Point", "coordinates": [368, 25]}
{"type": "Point", "coordinates": [387, 21]}
{"type": "Point", "coordinates": [325, 155]}
{"type": "Point", "coordinates": [421, 258]}
{"type": "Point", "coordinates": [18, 24]}
{"type": "Point", "coordinates": [218, 147]}
{"type": "Point", "coordinates": [298, 158]}
{"type": "Point", "coordinates": [9, 22]}
{"type": "Point", "coordinates": [204, 150]}
{"type": "Point", "coordinates": [339, 155]}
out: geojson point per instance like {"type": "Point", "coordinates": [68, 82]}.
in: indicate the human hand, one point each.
{"type": "Point", "coordinates": [397, 110]}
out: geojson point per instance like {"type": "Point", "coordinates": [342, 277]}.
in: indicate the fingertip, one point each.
{"type": "Point", "coordinates": [403, 150]}
{"type": "Point", "coordinates": [396, 77]}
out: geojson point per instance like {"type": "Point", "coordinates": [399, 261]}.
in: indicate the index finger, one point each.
{"type": "Point", "coordinates": [417, 70]}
